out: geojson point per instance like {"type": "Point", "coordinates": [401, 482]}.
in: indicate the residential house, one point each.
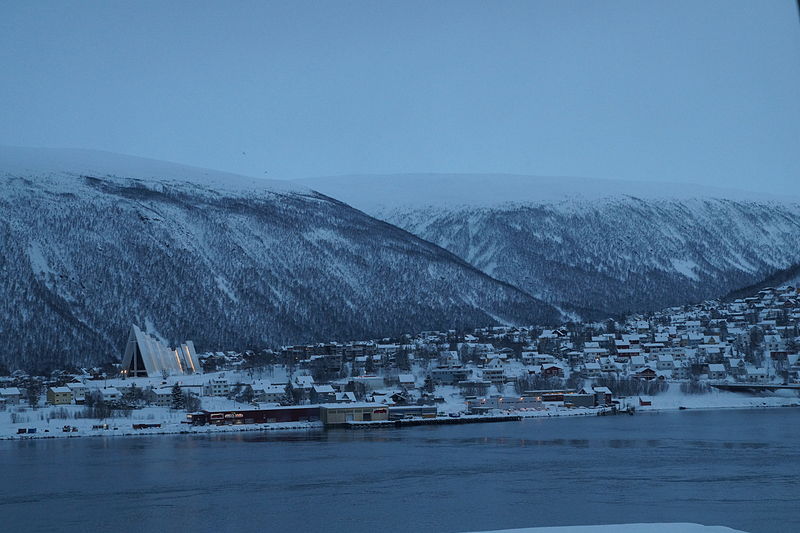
{"type": "Point", "coordinates": [323, 394]}
{"type": "Point", "coordinates": [10, 395]}
{"type": "Point", "coordinates": [110, 394]}
{"type": "Point", "coordinates": [218, 386]}
{"type": "Point", "coordinates": [716, 371]}
{"type": "Point", "coordinates": [79, 391]}
{"type": "Point", "coordinates": [59, 396]}
{"type": "Point", "coordinates": [407, 381]}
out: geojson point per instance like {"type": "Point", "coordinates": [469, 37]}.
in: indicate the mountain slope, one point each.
{"type": "Point", "coordinates": [596, 246]}
{"type": "Point", "coordinates": [93, 242]}
{"type": "Point", "coordinates": [785, 276]}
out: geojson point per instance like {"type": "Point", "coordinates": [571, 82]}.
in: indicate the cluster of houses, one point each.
{"type": "Point", "coordinates": [749, 340]}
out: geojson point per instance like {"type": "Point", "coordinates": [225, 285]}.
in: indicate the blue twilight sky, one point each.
{"type": "Point", "coordinates": [695, 91]}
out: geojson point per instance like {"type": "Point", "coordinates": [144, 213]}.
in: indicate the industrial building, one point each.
{"type": "Point", "coordinates": [341, 414]}
{"type": "Point", "coordinates": [506, 403]}
{"type": "Point", "coordinates": [146, 356]}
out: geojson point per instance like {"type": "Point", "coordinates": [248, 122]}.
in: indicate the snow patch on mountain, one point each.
{"type": "Point", "coordinates": [687, 268]}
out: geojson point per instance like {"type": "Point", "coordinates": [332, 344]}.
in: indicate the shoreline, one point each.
{"type": "Point", "coordinates": [184, 429]}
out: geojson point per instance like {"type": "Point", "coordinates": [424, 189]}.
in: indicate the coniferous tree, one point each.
{"type": "Point", "coordinates": [178, 400]}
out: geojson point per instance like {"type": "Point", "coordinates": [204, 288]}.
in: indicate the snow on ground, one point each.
{"type": "Point", "coordinates": [626, 528]}
{"type": "Point", "coordinates": [49, 420]}
{"type": "Point", "coordinates": [47, 426]}
{"type": "Point", "coordinates": [716, 399]}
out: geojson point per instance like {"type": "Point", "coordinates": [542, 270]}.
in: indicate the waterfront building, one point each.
{"type": "Point", "coordinates": [340, 414]}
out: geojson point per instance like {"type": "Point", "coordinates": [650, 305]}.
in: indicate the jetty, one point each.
{"type": "Point", "coordinates": [432, 421]}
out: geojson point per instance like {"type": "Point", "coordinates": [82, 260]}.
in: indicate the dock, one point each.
{"type": "Point", "coordinates": [439, 420]}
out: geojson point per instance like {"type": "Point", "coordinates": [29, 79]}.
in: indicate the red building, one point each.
{"type": "Point", "coordinates": [255, 416]}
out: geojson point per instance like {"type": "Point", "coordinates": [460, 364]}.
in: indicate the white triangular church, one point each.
{"type": "Point", "coordinates": [146, 356]}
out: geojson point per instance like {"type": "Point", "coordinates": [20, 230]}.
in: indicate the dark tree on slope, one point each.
{"type": "Point", "coordinates": [402, 361]}
{"type": "Point", "coordinates": [178, 399]}
{"type": "Point", "coordinates": [32, 393]}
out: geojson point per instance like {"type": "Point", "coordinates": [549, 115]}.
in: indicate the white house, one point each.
{"type": "Point", "coordinates": [79, 391]}
{"type": "Point", "coordinates": [11, 395]}
{"type": "Point", "coordinates": [592, 370]}
{"type": "Point", "coordinates": [494, 372]}
{"type": "Point", "coordinates": [110, 394]}
{"type": "Point", "coordinates": [757, 375]}
{"type": "Point", "coordinates": [218, 386]}
{"type": "Point", "coordinates": [717, 371]}
{"type": "Point", "coordinates": [665, 362]}
{"type": "Point", "coordinates": [268, 393]}
{"type": "Point", "coordinates": [163, 397]}
{"type": "Point", "coordinates": [407, 380]}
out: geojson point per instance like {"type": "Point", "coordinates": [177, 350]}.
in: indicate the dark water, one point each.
{"type": "Point", "coordinates": [734, 468]}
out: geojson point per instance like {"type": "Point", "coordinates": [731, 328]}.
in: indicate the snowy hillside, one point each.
{"type": "Point", "coordinates": [597, 246]}
{"type": "Point", "coordinates": [93, 242]}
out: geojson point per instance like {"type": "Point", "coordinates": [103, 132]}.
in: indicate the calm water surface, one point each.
{"type": "Point", "coordinates": [734, 468]}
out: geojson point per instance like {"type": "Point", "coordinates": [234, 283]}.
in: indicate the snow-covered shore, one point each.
{"type": "Point", "coordinates": [48, 424]}
{"type": "Point", "coordinates": [673, 399]}
{"type": "Point", "coordinates": [626, 528]}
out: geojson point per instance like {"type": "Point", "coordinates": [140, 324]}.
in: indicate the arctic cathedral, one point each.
{"type": "Point", "coordinates": [146, 356]}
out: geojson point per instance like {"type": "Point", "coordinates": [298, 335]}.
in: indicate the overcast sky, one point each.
{"type": "Point", "coordinates": [690, 91]}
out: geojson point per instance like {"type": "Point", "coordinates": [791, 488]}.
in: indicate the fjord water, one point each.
{"type": "Point", "coordinates": [735, 468]}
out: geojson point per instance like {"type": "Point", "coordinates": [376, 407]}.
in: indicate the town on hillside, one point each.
{"type": "Point", "coordinates": [690, 355]}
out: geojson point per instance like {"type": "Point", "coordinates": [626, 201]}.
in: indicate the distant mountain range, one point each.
{"type": "Point", "coordinates": [595, 247]}
{"type": "Point", "coordinates": [93, 242]}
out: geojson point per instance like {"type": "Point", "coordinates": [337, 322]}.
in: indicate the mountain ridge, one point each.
{"type": "Point", "coordinates": [605, 253]}
{"type": "Point", "coordinates": [432, 190]}
{"type": "Point", "coordinates": [88, 252]}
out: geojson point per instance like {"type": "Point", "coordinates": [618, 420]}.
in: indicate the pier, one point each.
{"type": "Point", "coordinates": [439, 420]}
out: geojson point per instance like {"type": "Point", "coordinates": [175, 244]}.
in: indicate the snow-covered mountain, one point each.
{"type": "Point", "coordinates": [596, 246]}
{"type": "Point", "coordinates": [93, 242]}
